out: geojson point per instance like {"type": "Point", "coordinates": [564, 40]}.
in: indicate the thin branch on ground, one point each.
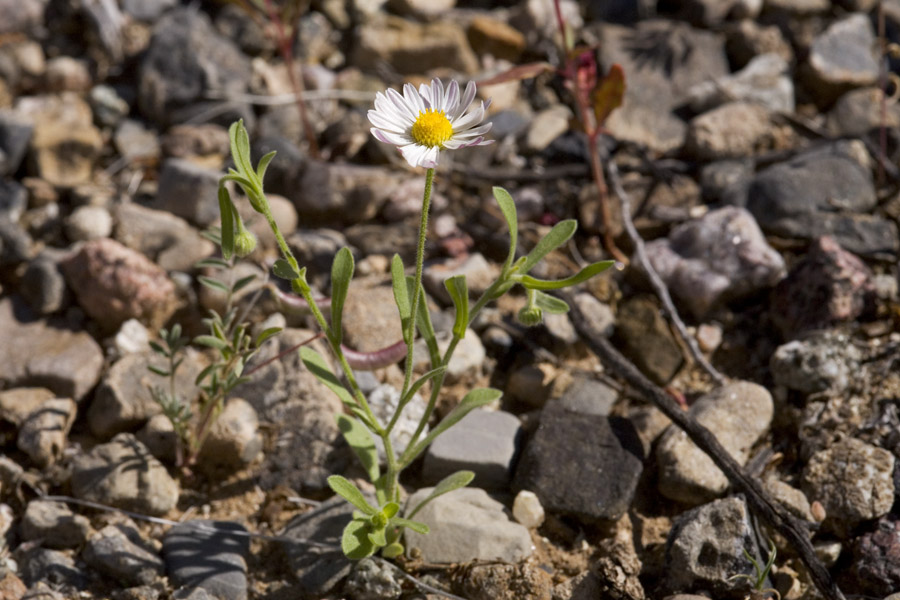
{"type": "Point", "coordinates": [794, 530]}
{"type": "Point", "coordinates": [640, 252]}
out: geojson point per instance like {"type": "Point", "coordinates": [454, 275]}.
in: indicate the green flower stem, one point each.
{"type": "Point", "coordinates": [420, 259]}
{"type": "Point", "coordinates": [488, 295]}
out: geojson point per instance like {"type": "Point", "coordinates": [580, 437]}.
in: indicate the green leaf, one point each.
{"type": "Point", "coordinates": [157, 348]}
{"type": "Point", "coordinates": [583, 275]}
{"type": "Point", "coordinates": [419, 383]}
{"type": "Point", "coordinates": [459, 293]}
{"type": "Point", "coordinates": [216, 263]}
{"type": "Point", "coordinates": [240, 147]}
{"type": "Point", "coordinates": [265, 335]}
{"type": "Point", "coordinates": [360, 440]}
{"type": "Point", "coordinates": [392, 550]}
{"type": "Point", "coordinates": [204, 374]}
{"type": "Point", "coordinates": [284, 270]}
{"type": "Point", "coordinates": [214, 284]}
{"type": "Point", "coordinates": [556, 237]}
{"type": "Point", "coordinates": [355, 540]}
{"type": "Point", "coordinates": [401, 295]}
{"type": "Point", "coordinates": [318, 367]}
{"type": "Point", "coordinates": [341, 274]}
{"type": "Point", "coordinates": [474, 399]}
{"type": "Point", "coordinates": [347, 490]}
{"type": "Point", "coordinates": [242, 283]}
{"type": "Point", "coordinates": [242, 181]}
{"type": "Point", "coordinates": [226, 211]}
{"type": "Point", "coordinates": [264, 164]}
{"type": "Point", "coordinates": [451, 482]}
{"type": "Point", "coordinates": [550, 304]}
{"type": "Point", "coordinates": [414, 525]}
{"type": "Point", "coordinates": [211, 341]}
{"type": "Point", "coordinates": [508, 208]}
{"type": "Point", "coordinates": [378, 538]}
{"type": "Point", "coordinates": [426, 329]}
{"type": "Point", "coordinates": [158, 370]}
{"type": "Point", "coordinates": [390, 509]}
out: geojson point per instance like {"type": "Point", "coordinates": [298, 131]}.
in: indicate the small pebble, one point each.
{"type": "Point", "coordinates": [527, 509]}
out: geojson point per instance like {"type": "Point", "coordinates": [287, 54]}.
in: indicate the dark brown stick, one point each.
{"type": "Point", "coordinates": [772, 512]}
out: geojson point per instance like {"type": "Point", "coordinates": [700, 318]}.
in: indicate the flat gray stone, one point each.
{"type": "Point", "coordinates": [114, 555]}
{"type": "Point", "coordinates": [210, 555]}
{"type": "Point", "coordinates": [54, 525]}
{"type": "Point", "coordinates": [484, 442]}
{"type": "Point", "coordinates": [466, 525]}
{"type": "Point", "coordinates": [315, 557]}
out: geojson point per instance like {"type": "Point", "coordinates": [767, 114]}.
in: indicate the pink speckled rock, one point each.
{"type": "Point", "coordinates": [114, 283]}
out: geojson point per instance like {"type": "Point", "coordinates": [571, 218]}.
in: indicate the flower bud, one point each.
{"type": "Point", "coordinates": [530, 316]}
{"type": "Point", "coordinates": [244, 243]}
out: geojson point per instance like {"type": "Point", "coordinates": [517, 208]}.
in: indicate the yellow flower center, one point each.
{"type": "Point", "coordinates": [432, 128]}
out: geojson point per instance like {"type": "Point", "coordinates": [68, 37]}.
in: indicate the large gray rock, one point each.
{"type": "Point", "coordinates": [124, 399]}
{"type": "Point", "coordinates": [824, 191]}
{"type": "Point", "coordinates": [854, 482]}
{"type": "Point", "coordinates": [114, 555]}
{"type": "Point", "coordinates": [210, 555]}
{"type": "Point", "coordinates": [466, 525]}
{"type": "Point", "coordinates": [411, 47]}
{"type": "Point", "coordinates": [122, 473]}
{"type": "Point", "coordinates": [234, 440]}
{"type": "Point", "coordinates": [659, 82]}
{"type": "Point", "coordinates": [46, 353]}
{"type": "Point", "coordinates": [186, 60]}
{"type": "Point", "coordinates": [706, 547]}
{"type": "Point", "coordinates": [738, 414]}
{"type": "Point", "coordinates": [318, 567]}
{"type": "Point", "coordinates": [720, 257]}
{"type": "Point", "coordinates": [163, 237]}
{"type": "Point", "coordinates": [484, 442]}
{"type": "Point", "coordinates": [54, 525]}
{"type": "Point", "coordinates": [822, 361]}
{"type": "Point", "coordinates": [842, 57]}
{"type": "Point", "coordinates": [732, 130]}
{"type": "Point", "coordinates": [765, 80]}
{"type": "Point", "coordinates": [189, 191]}
{"type": "Point", "coordinates": [582, 464]}
{"type": "Point", "coordinates": [113, 284]}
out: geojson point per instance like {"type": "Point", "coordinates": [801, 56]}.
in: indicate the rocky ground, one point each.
{"type": "Point", "coordinates": [761, 164]}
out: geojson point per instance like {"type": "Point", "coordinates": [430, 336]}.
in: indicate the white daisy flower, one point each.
{"type": "Point", "coordinates": [424, 122]}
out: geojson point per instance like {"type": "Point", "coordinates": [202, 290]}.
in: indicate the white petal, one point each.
{"type": "Point", "coordinates": [430, 159]}
{"type": "Point", "coordinates": [413, 154]}
{"type": "Point", "coordinates": [467, 98]}
{"type": "Point", "coordinates": [404, 106]}
{"type": "Point", "coordinates": [470, 119]}
{"type": "Point", "coordinates": [390, 111]}
{"type": "Point", "coordinates": [391, 138]}
{"type": "Point", "coordinates": [380, 121]}
{"type": "Point", "coordinates": [451, 98]}
{"type": "Point", "coordinates": [475, 131]}
{"type": "Point", "coordinates": [414, 99]}
{"type": "Point", "coordinates": [437, 94]}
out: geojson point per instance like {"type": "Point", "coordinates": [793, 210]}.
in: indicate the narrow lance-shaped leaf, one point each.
{"type": "Point", "coordinates": [579, 277]}
{"type": "Point", "coordinates": [401, 295]}
{"type": "Point", "coordinates": [417, 385]}
{"type": "Point", "coordinates": [347, 490]}
{"type": "Point", "coordinates": [474, 399]}
{"type": "Point", "coordinates": [341, 274]}
{"type": "Point", "coordinates": [227, 215]}
{"type": "Point", "coordinates": [284, 270]}
{"type": "Point", "coordinates": [318, 367]}
{"type": "Point", "coordinates": [360, 440]}
{"type": "Point", "coordinates": [508, 208]}
{"type": "Point", "coordinates": [214, 284]}
{"type": "Point", "coordinates": [240, 147]}
{"type": "Point", "coordinates": [550, 304]}
{"type": "Point", "coordinates": [459, 293]}
{"type": "Point", "coordinates": [556, 237]}
{"type": "Point", "coordinates": [414, 525]}
{"type": "Point", "coordinates": [264, 164]}
{"type": "Point", "coordinates": [451, 482]}
{"type": "Point", "coordinates": [426, 330]}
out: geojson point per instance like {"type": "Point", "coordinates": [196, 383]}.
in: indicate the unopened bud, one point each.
{"type": "Point", "coordinates": [244, 243]}
{"type": "Point", "coordinates": [531, 316]}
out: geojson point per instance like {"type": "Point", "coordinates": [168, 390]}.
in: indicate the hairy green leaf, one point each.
{"type": "Point", "coordinates": [211, 341]}
{"type": "Point", "coordinates": [459, 293]}
{"type": "Point", "coordinates": [284, 270]}
{"type": "Point", "coordinates": [264, 164]}
{"type": "Point", "coordinates": [318, 367]}
{"type": "Point", "coordinates": [265, 335]}
{"type": "Point", "coordinates": [214, 284]}
{"type": "Point", "coordinates": [242, 283]}
{"type": "Point", "coordinates": [508, 208]}
{"type": "Point", "coordinates": [216, 263]}
{"type": "Point", "coordinates": [355, 541]}
{"type": "Point", "coordinates": [550, 304]}
{"type": "Point", "coordinates": [581, 276]}
{"type": "Point", "coordinates": [556, 237]}
{"type": "Point", "coordinates": [158, 370]}
{"type": "Point", "coordinates": [426, 330]}
{"type": "Point", "coordinates": [451, 482]}
{"type": "Point", "coordinates": [401, 295]}
{"type": "Point", "coordinates": [414, 525]}
{"type": "Point", "coordinates": [341, 274]}
{"type": "Point", "coordinates": [360, 440]}
{"type": "Point", "coordinates": [226, 212]}
{"type": "Point", "coordinates": [347, 490]}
